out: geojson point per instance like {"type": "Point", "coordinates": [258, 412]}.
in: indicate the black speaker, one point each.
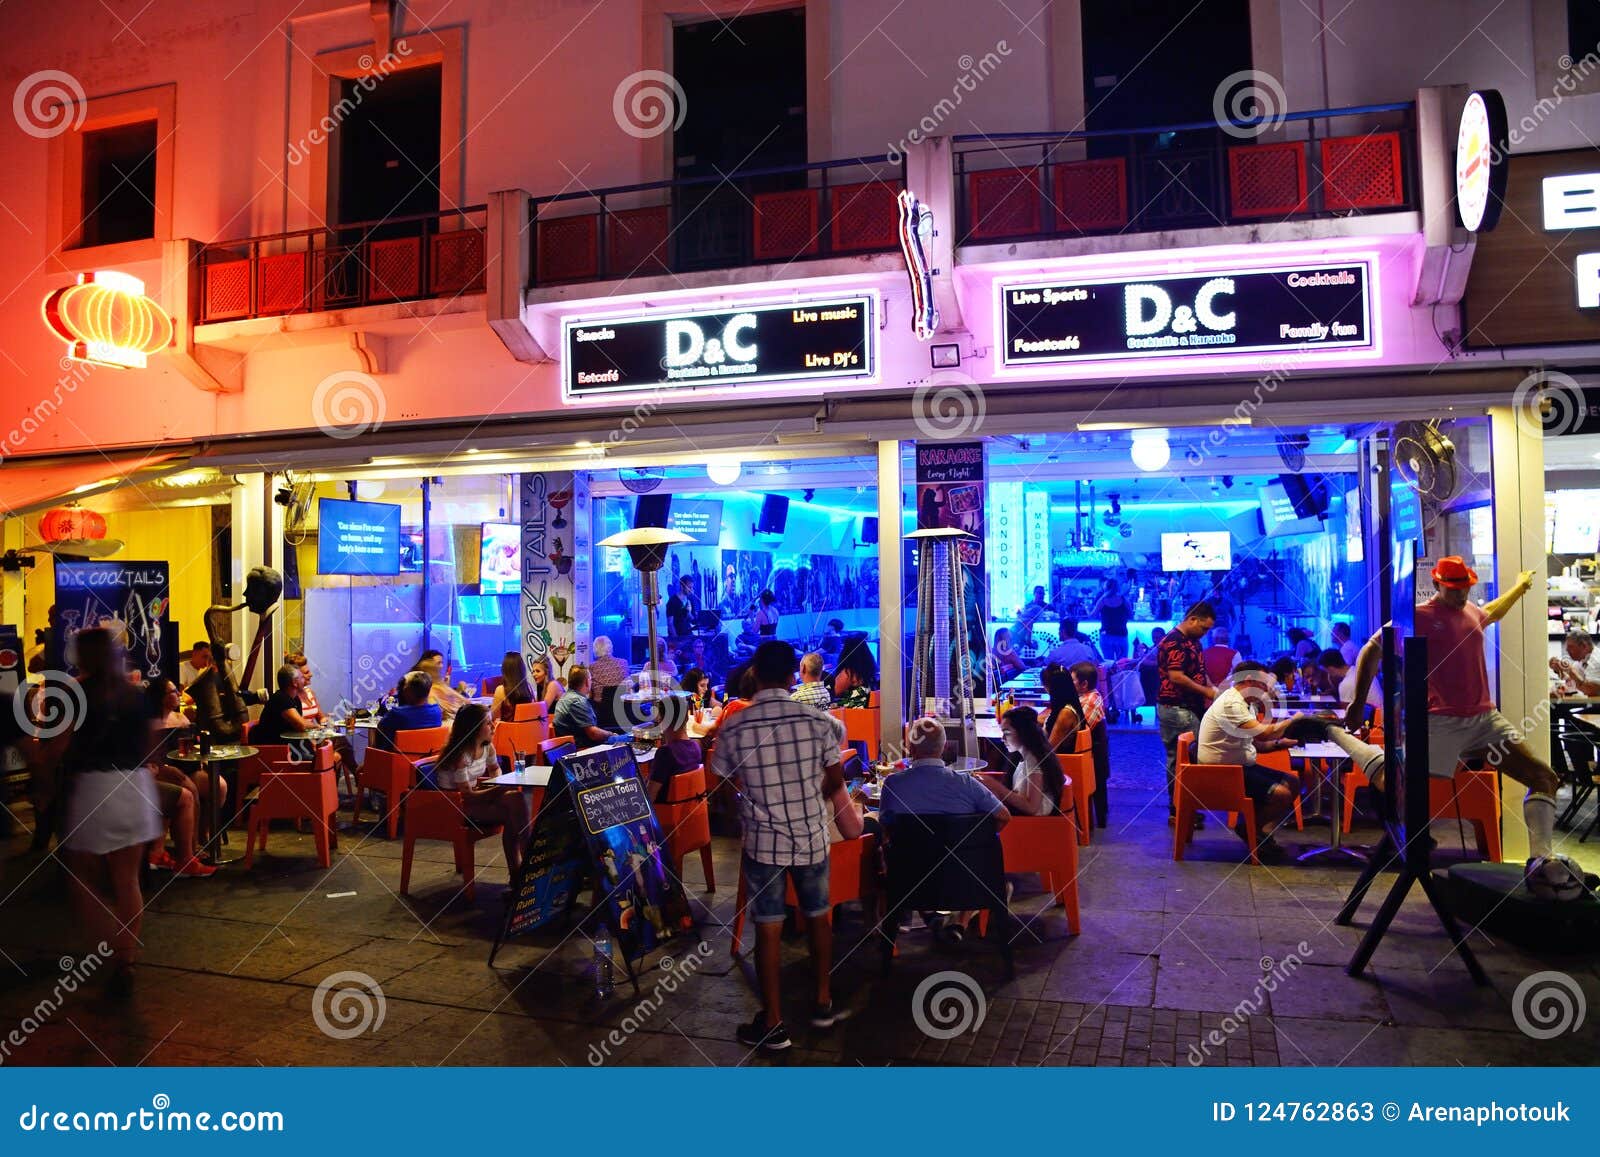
{"type": "Point", "coordinates": [774, 514]}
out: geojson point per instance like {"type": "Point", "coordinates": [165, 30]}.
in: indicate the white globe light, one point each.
{"type": "Point", "coordinates": [1151, 452]}
{"type": "Point", "coordinates": [369, 489]}
{"type": "Point", "coordinates": [724, 471]}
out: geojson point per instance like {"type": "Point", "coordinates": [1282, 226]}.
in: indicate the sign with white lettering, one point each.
{"type": "Point", "coordinates": [721, 349]}
{"type": "Point", "coordinates": [1535, 281]}
{"type": "Point", "coordinates": [1259, 310]}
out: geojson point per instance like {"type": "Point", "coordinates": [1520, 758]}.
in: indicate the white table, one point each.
{"type": "Point", "coordinates": [1334, 760]}
{"type": "Point", "coordinates": [536, 776]}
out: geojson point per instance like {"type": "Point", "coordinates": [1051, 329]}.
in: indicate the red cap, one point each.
{"type": "Point", "coordinates": [1453, 572]}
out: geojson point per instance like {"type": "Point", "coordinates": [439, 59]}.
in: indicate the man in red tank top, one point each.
{"type": "Point", "coordinates": [1462, 718]}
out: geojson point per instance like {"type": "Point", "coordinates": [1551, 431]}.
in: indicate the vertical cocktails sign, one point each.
{"type": "Point", "coordinates": [554, 515]}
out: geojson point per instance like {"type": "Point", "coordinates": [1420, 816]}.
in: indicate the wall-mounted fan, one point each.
{"type": "Point", "coordinates": [641, 481]}
{"type": "Point", "coordinates": [1292, 451]}
{"type": "Point", "coordinates": [1426, 458]}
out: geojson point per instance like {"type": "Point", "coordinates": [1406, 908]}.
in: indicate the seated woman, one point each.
{"type": "Point", "coordinates": [702, 696]}
{"type": "Point", "coordinates": [515, 687]}
{"type": "Point", "coordinates": [1064, 715]}
{"type": "Point", "coordinates": [677, 753]}
{"type": "Point", "coordinates": [180, 795]}
{"type": "Point", "coordinates": [1036, 781]}
{"type": "Point", "coordinates": [281, 721]}
{"type": "Point", "coordinates": [546, 688]}
{"type": "Point", "coordinates": [310, 709]}
{"type": "Point", "coordinates": [467, 760]}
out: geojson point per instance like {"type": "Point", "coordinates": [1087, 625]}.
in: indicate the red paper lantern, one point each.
{"type": "Point", "coordinates": [106, 318]}
{"type": "Point", "coordinates": [71, 524]}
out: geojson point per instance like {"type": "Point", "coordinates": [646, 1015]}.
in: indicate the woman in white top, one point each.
{"type": "Point", "coordinates": [1037, 781]}
{"type": "Point", "coordinates": [469, 758]}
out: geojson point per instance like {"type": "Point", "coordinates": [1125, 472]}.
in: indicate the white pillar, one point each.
{"type": "Point", "coordinates": [891, 598]}
{"type": "Point", "coordinates": [1518, 452]}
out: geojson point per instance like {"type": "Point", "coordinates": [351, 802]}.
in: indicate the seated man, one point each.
{"type": "Point", "coordinates": [1073, 648]}
{"type": "Point", "coordinates": [812, 691]}
{"type": "Point", "coordinates": [574, 713]}
{"type": "Point", "coordinates": [1341, 677]}
{"type": "Point", "coordinates": [1578, 668]}
{"type": "Point", "coordinates": [927, 787]}
{"type": "Point", "coordinates": [1232, 731]}
{"type": "Point", "coordinates": [413, 712]}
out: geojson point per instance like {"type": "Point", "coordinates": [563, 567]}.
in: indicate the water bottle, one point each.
{"type": "Point", "coordinates": [604, 977]}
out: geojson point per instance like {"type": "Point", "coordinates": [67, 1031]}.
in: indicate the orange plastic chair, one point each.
{"type": "Point", "coordinates": [514, 740]}
{"type": "Point", "coordinates": [1079, 770]}
{"type": "Point", "coordinates": [422, 742]}
{"type": "Point", "coordinates": [391, 774]}
{"type": "Point", "coordinates": [1473, 797]}
{"type": "Point", "coordinates": [861, 725]}
{"type": "Point", "coordinates": [251, 769]}
{"type": "Point", "coordinates": [297, 795]}
{"type": "Point", "coordinates": [874, 699]}
{"type": "Point", "coordinates": [1047, 845]}
{"type": "Point", "coordinates": [551, 750]}
{"type": "Point", "coordinates": [686, 820]}
{"type": "Point", "coordinates": [440, 815]}
{"type": "Point", "coordinates": [529, 713]}
{"type": "Point", "coordinates": [851, 876]}
{"type": "Point", "coordinates": [1213, 787]}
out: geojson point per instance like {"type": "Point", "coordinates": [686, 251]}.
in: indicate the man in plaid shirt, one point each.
{"type": "Point", "coordinates": [783, 757]}
{"type": "Point", "coordinates": [813, 692]}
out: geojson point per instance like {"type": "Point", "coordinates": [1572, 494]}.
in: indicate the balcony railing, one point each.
{"type": "Point", "coordinates": [752, 217]}
{"type": "Point", "coordinates": [1019, 186]}
{"type": "Point", "coordinates": [414, 258]}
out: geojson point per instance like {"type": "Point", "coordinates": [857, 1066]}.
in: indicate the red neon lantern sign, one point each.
{"type": "Point", "coordinates": [105, 318]}
{"type": "Point", "coordinates": [71, 524]}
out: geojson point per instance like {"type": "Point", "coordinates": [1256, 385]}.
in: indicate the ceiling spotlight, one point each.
{"type": "Point", "coordinates": [284, 496]}
{"type": "Point", "coordinates": [810, 494]}
{"type": "Point", "coordinates": [1227, 481]}
{"type": "Point", "coordinates": [1150, 450]}
{"type": "Point", "coordinates": [724, 471]}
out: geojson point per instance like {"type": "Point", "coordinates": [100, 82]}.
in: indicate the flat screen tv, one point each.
{"type": "Point", "coordinates": [500, 559]}
{"type": "Point", "coordinates": [1278, 514]}
{"type": "Point", "coordinates": [869, 531]}
{"type": "Point", "coordinates": [1577, 522]}
{"type": "Point", "coordinates": [358, 538]}
{"type": "Point", "coordinates": [1200, 550]}
{"type": "Point", "coordinates": [699, 518]}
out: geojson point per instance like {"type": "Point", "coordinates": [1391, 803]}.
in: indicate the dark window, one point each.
{"type": "Point", "coordinates": [1583, 28]}
{"type": "Point", "coordinates": [387, 145]}
{"type": "Point", "coordinates": [744, 105]}
{"type": "Point", "coordinates": [119, 184]}
{"type": "Point", "coordinates": [1160, 62]}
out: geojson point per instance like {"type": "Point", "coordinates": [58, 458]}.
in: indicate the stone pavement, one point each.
{"type": "Point", "coordinates": [1208, 961]}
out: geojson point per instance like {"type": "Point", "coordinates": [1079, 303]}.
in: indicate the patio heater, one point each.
{"type": "Point", "coordinates": [942, 673]}
{"type": "Point", "coordinates": [647, 549]}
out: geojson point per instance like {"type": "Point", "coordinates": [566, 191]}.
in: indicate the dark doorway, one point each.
{"type": "Point", "coordinates": [119, 184]}
{"type": "Point", "coordinates": [1161, 62]}
{"type": "Point", "coordinates": [387, 147]}
{"type": "Point", "coordinates": [744, 90]}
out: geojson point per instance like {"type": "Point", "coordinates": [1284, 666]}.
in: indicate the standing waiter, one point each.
{"type": "Point", "coordinates": [1462, 717]}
